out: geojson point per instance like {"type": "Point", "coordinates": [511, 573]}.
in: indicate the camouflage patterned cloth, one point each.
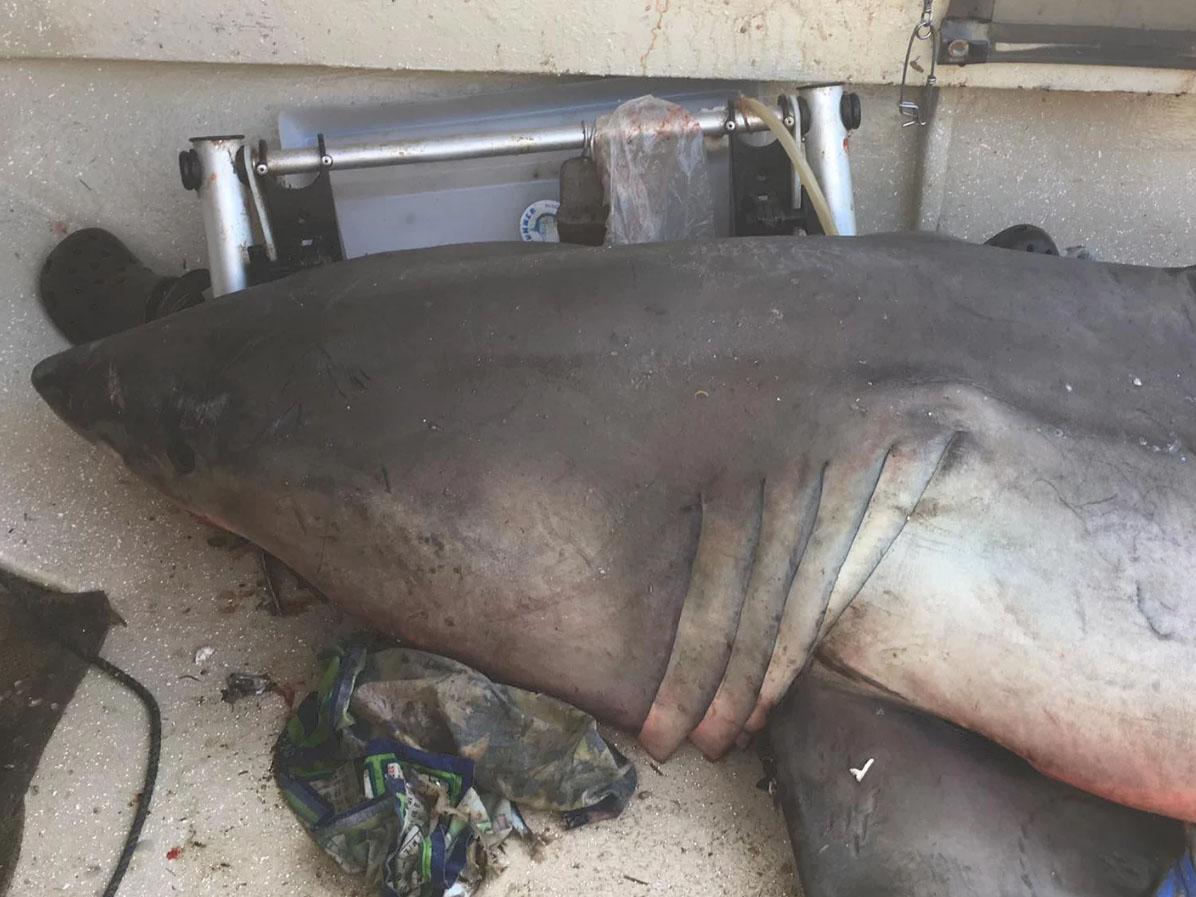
{"type": "Point", "coordinates": [406, 767]}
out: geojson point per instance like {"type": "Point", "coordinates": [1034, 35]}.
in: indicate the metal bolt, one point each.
{"type": "Point", "coordinates": [729, 125]}
{"type": "Point", "coordinates": [326, 160]}
{"type": "Point", "coordinates": [958, 48]}
{"type": "Point", "coordinates": [789, 121]}
{"type": "Point", "coordinates": [262, 169]}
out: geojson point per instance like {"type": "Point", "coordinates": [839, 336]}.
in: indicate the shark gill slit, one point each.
{"type": "Point", "coordinates": [790, 507]}
{"type": "Point", "coordinates": [805, 625]}
{"type": "Point", "coordinates": [891, 487]}
{"type": "Point", "coordinates": [948, 448]}
{"type": "Point", "coordinates": [808, 650]}
{"type": "Point", "coordinates": [728, 542]}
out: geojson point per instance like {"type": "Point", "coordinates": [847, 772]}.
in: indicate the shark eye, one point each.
{"type": "Point", "coordinates": [181, 455]}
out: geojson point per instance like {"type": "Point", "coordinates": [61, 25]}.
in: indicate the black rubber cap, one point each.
{"type": "Point", "coordinates": [190, 171]}
{"type": "Point", "coordinates": [1024, 238]}
{"type": "Point", "coordinates": [851, 111]}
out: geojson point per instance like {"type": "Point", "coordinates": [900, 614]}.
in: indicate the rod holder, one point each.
{"type": "Point", "coordinates": [826, 150]}
{"type": "Point", "coordinates": [226, 222]}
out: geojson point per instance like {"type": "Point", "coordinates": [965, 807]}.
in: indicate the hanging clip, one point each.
{"type": "Point", "coordinates": [587, 138]}
{"type": "Point", "coordinates": [914, 111]}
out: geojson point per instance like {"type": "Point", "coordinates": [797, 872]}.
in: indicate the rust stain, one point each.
{"type": "Point", "coordinates": [756, 21]}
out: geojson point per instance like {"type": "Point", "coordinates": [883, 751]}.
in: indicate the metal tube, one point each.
{"type": "Point", "coordinates": [225, 213]}
{"type": "Point", "coordinates": [259, 202]}
{"type": "Point", "coordinates": [794, 122]}
{"type": "Point", "coordinates": [464, 146]}
{"type": "Point", "coordinates": [826, 150]}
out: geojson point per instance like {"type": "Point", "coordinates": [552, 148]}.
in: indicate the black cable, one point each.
{"type": "Point", "coordinates": [151, 766]}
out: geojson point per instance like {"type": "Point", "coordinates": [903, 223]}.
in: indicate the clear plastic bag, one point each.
{"type": "Point", "coordinates": [653, 165]}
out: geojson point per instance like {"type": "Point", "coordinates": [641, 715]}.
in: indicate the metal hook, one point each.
{"type": "Point", "coordinates": [587, 139]}
{"type": "Point", "coordinates": [925, 26]}
{"type": "Point", "coordinates": [913, 110]}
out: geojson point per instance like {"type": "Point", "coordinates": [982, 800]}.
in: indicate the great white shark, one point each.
{"type": "Point", "coordinates": [663, 482]}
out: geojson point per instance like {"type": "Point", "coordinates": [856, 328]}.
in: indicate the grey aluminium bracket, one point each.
{"type": "Point", "coordinates": [224, 169]}
{"type": "Point", "coordinates": [970, 34]}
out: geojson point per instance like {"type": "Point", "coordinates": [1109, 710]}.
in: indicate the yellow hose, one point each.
{"type": "Point", "coordinates": [800, 165]}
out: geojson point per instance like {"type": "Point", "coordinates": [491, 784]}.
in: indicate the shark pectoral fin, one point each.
{"type": "Point", "coordinates": [942, 811]}
{"type": "Point", "coordinates": [790, 504]}
{"type": "Point", "coordinates": [865, 503]}
{"type": "Point", "coordinates": [731, 523]}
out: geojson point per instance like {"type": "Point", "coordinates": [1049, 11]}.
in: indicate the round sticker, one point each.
{"type": "Point", "coordinates": [537, 224]}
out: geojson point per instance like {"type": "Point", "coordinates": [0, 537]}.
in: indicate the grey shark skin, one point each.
{"type": "Point", "coordinates": [659, 481]}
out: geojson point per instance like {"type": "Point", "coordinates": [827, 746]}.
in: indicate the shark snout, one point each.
{"type": "Point", "coordinates": [52, 378]}
{"type": "Point", "coordinates": [87, 396]}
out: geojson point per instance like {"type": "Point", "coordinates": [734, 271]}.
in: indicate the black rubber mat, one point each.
{"type": "Point", "coordinates": [38, 677]}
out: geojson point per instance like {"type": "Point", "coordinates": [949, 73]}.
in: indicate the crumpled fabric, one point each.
{"type": "Point", "coordinates": [406, 767]}
{"type": "Point", "coordinates": [652, 158]}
